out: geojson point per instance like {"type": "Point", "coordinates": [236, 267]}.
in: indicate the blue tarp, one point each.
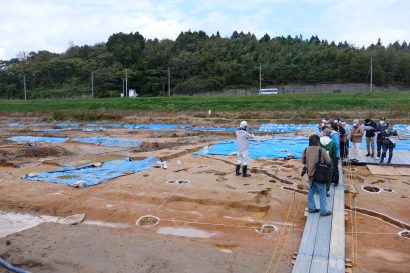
{"type": "Point", "coordinates": [272, 148]}
{"type": "Point", "coordinates": [102, 141]}
{"type": "Point", "coordinates": [265, 128]}
{"type": "Point", "coordinates": [154, 126]}
{"type": "Point", "coordinates": [93, 175]}
{"type": "Point", "coordinates": [278, 147]}
{"type": "Point", "coordinates": [39, 139]}
{"type": "Point", "coordinates": [111, 142]}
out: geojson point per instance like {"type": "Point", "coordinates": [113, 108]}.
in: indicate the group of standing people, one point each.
{"type": "Point", "coordinates": [328, 149]}
{"type": "Point", "coordinates": [333, 145]}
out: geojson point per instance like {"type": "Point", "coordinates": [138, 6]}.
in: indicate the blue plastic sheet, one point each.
{"type": "Point", "coordinates": [91, 175]}
{"type": "Point", "coordinates": [102, 141]}
{"type": "Point", "coordinates": [154, 126]}
{"type": "Point", "coordinates": [39, 139]}
{"type": "Point", "coordinates": [273, 148]}
{"type": "Point", "coordinates": [110, 142]}
{"type": "Point", "coordinates": [67, 124]}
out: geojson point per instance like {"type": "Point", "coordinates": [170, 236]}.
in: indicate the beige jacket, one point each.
{"type": "Point", "coordinates": [310, 158]}
{"type": "Point", "coordinates": [357, 134]}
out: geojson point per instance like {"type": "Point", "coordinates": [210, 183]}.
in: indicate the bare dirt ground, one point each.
{"type": "Point", "coordinates": [206, 225]}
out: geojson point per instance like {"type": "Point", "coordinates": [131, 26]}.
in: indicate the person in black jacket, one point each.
{"type": "Point", "coordinates": [381, 127]}
{"type": "Point", "coordinates": [388, 143]}
{"type": "Point", "coordinates": [370, 126]}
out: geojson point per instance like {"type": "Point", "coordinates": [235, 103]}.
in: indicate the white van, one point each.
{"type": "Point", "coordinates": [268, 91]}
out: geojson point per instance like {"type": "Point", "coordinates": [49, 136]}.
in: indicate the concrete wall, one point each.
{"type": "Point", "coordinates": [318, 88]}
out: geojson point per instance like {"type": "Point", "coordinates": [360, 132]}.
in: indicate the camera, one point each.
{"type": "Point", "coordinates": [304, 170]}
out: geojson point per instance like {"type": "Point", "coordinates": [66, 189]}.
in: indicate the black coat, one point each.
{"type": "Point", "coordinates": [380, 129]}
{"type": "Point", "coordinates": [371, 133]}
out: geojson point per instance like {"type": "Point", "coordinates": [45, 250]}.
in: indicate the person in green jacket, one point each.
{"type": "Point", "coordinates": [330, 146]}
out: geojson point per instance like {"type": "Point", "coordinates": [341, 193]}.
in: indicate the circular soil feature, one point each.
{"type": "Point", "coordinates": [388, 190]}
{"type": "Point", "coordinates": [405, 234]}
{"type": "Point", "coordinates": [147, 221]}
{"type": "Point", "coordinates": [267, 228]}
{"type": "Point", "coordinates": [178, 182]}
{"type": "Point", "coordinates": [371, 189]}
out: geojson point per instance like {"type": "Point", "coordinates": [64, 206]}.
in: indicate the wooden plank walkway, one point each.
{"type": "Point", "coordinates": [322, 248]}
{"type": "Point", "coordinates": [399, 157]}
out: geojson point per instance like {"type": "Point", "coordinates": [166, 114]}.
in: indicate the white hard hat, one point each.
{"type": "Point", "coordinates": [243, 124]}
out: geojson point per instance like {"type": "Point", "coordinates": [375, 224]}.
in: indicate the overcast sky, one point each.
{"type": "Point", "coordinates": [32, 25]}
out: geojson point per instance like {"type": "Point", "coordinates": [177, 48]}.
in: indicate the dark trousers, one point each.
{"type": "Point", "coordinates": [385, 148]}
{"type": "Point", "coordinates": [344, 149]}
{"type": "Point", "coordinates": [379, 144]}
{"type": "Point", "coordinates": [335, 174]}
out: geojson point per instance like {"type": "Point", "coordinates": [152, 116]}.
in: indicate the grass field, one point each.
{"type": "Point", "coordinates": [394, 102]}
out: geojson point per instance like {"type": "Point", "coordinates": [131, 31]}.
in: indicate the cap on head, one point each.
{"type": "Point", "coordinates": [342, 120]}
{"type": "Point", "coordinates": [243, 124]}
{"type": "Point", "coordinates": [356, 121]}
{"type": "Point", "coordinates": [326, 132]}
{"type": "Point", "coordinates": [382, 118]}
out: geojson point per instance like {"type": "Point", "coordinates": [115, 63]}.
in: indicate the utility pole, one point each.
{"type": "Point", "coordinates": [123, 87]}
{"type": "Point", "coordinates": [25, 89]}
{"type": "Point", "coordinates": [169, 81]}
{"type": "Point", "coordinates": [371, 74]}
{"type": "Point", "coordinates": [126, 83]}
{"type": "Point", "coordinates": [92, 84]}
{"type": "Point", "coordinates": [260, 76]}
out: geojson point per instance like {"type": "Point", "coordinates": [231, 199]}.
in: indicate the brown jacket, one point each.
{"type": "Point", "coordinates": [357, 134]}
{"type": "Point", "coordinates": [310, 158]}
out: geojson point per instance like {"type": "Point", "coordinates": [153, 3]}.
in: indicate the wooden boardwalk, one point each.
{"type": "Point", "coordinates": [399, 157]}
{"type": "Point", "coordinates": [322, 248]}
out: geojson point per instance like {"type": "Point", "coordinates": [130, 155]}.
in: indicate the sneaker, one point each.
{"type": "Point", "coordinates": [377, 157]}
{"type": "Point", "coordinates": [314, 211]}
{"type": "Point", "coordinates": [368, 154]}
{"type": "Point", "coordinates": [327, 194]}
{"type": "Point", "coordinates": [335, 185]}
{"type": "Point", "coordinates": [326, 213]}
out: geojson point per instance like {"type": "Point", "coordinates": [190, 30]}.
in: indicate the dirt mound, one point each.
{"type": "Point", "coordinates": [24, 152]}
{"type": "Point", "coordinates": [154, 146]}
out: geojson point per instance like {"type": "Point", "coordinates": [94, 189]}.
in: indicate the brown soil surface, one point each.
{"type": "Point", "coordinates": [214, 201]}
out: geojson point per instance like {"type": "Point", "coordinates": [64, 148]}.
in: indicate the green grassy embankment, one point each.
{"type": "Point", "coordinates": [397, 104]}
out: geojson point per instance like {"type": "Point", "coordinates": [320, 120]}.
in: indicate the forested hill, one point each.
{"type": "Point", "coordinates": [199, 62]}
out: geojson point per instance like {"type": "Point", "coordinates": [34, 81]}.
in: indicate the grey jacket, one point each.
{"type": "Point", "coordinates": [242, 138]}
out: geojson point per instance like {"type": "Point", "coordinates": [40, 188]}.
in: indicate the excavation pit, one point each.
{"type": "Point", "coordinates": [147, 221]}
{"type": "Point", "coordinates": [405, 234]}
{"type": "Point", "coordinates": [266, 229]}
{"type": "Point", "coordinates": [371, 189]}
{"type": "Point", "coordinates": [179, 182]}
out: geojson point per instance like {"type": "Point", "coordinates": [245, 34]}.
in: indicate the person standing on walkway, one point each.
{"type": "Point", "coordinates": [381, 127]}
{"type": "Point", "coordinates": [242, 139]}
{"type": "Point", "coordinates": [334, 135]}
{"type": "Point", "coordinates": [310, 159]}
{"type": "Point", "coordinates": [356, 138]}
{"type": "Point", "coordinates": [330, 147]}
{"type": "Point", "coordinates": [344, 139]}
{"type": "Point", "coordinates": [389, 138]}
{"type": "Point", "coordinates": [370, 127]}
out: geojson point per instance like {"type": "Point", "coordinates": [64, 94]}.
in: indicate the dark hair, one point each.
{"type": "Point", "coordinates": [334, 126]}
{"type": "Point", "coordinates": [314, 140]}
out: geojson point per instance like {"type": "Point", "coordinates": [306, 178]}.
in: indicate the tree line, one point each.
{"type": "Point", "coordinates": [199, 62]}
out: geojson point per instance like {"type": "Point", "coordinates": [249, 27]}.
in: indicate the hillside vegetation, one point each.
{"type": "Point", "coordinates": [199, 62]}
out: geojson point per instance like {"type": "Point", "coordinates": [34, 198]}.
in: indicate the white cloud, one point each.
{"type": "Point", "coordinates": [363, 22]}
{"type": "Point", "coordinates": [31, 25]}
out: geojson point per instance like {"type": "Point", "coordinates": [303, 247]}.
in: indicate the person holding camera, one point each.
{"type": "Point", "coordinates": [313, 158]}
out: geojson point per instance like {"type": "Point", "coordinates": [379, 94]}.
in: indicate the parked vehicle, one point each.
{"type": "Point", "coordinates": [268, 91]}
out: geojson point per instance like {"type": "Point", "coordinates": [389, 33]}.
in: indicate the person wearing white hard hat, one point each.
{"type": "Point", "coordinates": [242, 139]}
